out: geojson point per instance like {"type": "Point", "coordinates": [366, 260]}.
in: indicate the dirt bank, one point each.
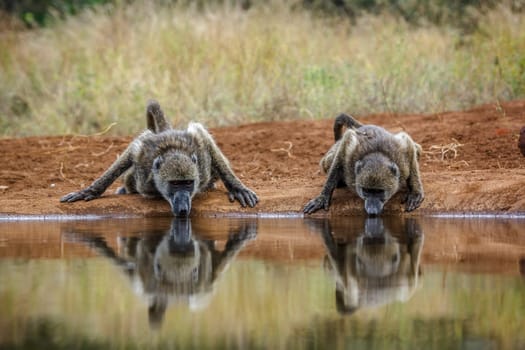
{"type": "Point", "coordinates": [471, 164]}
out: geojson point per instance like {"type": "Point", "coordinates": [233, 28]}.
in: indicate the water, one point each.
{"type": "Point", "coordinates": [428, 283]}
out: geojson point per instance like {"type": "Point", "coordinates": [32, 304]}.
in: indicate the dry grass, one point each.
{"type": "Point", "coordinates": [228, 66]}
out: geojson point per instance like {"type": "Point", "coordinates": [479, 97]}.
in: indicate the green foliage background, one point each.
{"type": "Point", "coordinates": [78, 66]}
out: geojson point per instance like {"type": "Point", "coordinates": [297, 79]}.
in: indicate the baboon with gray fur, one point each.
{"type": "Point", "coordinates": [372, 161]}
{"type": "Point", "coordinates": [172, 265]}
{"type": "Point", "coordinates": [174, 164]}
{"type": "Point", "coordinates": [373, 262]}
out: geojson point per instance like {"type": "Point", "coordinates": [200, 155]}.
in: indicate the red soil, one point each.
{"type": "Point", "coordinates": [471, 164]}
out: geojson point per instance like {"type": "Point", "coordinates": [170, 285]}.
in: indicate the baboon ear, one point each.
{"type": "Point", "coordinates": [358, 166]}
{"type": "Point", "coordinates": [157, 163]}
{"type": "Point", "coordinates": [194, 158]}
{"type": "Point", "coordinates": [394, 169]}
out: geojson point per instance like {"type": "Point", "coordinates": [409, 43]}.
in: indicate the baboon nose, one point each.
{"type": "Point", "coordinates": [181, 204]}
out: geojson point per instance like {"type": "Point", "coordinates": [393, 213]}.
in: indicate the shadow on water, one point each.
{"type": "Point", "coordinates": [210, 283]}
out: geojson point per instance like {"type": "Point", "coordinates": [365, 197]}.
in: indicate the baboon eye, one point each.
{"type": "Point", "coordinates": [182, 185]}
{"type": "Point", "coordinates": [394, 169]}
{"type": "Point", "coordinates": [157, 163]}
{"type": "Point", "coordinates": [194, 158]}
{"type": "Point", "coordinates": [358, 166]}
{"type": "Point", "coordinates": [373, 191]}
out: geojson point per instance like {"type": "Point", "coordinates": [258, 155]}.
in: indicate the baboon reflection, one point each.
{"type": "Point", "coordinates": [373, 264]}
{"type": "Point", "coordinates": [173, 267]}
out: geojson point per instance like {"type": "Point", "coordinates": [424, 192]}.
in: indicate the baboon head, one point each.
{"type": "Point", "coordinates": [176, 177]}
{"type": "Point", "coordinates": [180, 268]}
{"type": "Point", "coordinates": [177, 257]}
{"type": "Point", "coordinates": [377, 256]}
{"type": "Point", "coordinates": [376, 181]}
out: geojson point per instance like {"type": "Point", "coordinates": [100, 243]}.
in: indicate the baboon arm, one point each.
{"type": "Point", "coordinates": [415, 193]}
{"type": "Point", "coordinates": [330, 244]}
{"type": "Point", "coordinates": [414, 249]}
{"type": "Point", "coordinates": [99, 245]}
{"type": "Point", "coordinates": [95, 190]}
{"type": "Point", "coordinates": [335, 174]}
{"type": "Point", "coordinates": [323, 200]}
{"type": "Point", "coordinates": [235, 243]}
{"type": "Point", "coordinates": [237, 190]}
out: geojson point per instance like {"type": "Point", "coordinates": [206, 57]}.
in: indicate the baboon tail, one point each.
{"type": "Point", "coordinates": [156, 120]}
{"type": "Point", "coordinates": [344, 120]}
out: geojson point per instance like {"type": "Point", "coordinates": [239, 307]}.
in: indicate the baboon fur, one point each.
{"type": "Point", "coordinates": [174, 164]}
{"type": "Point", "coordinates": [374, 163]}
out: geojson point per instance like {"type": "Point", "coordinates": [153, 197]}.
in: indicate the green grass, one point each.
{"type": "Point", "coordinates": [227, 66]}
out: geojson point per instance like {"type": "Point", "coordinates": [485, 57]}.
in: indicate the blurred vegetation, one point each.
{"type": "Point", "coordinates": [277, 306]}
{"type": "Point", "coordinates": [42, 12]}
{"type": "Point", "coordinates": [461, 13]}
{"type": "Point", "coordinates": [83, 65]}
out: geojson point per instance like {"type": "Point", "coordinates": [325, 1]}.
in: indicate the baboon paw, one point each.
{"type": "Point", "coordinates": [317, 203]}
{"type": "Point", "coordinates": [245, 196]}
{"type": "Point", "coordinates": [413, 201]}
{"type": "Point", "coordinates": [86, 195]}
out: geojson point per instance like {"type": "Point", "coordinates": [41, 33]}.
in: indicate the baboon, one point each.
{"type": "Point", "coordinates": [174, 164]}
{"type": "Point", "coordinates": [171, 265]}
{"type": "Point", "coordinates": [374, 263]}
{"type": "Point", "coordinates": [372, 161]}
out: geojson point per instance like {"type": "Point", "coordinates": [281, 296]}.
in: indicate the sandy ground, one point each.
{"type": "Point", "coordinates": [471, 164]}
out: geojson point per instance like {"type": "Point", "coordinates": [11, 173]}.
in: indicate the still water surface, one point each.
{"type": "Point", "coordinates": [353, 283]}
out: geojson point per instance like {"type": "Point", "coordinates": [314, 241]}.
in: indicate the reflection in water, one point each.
{"type": "Point", "coordinates": [173, 267]}
{"type": "Point", "coordinates": [370, 265]}
{"type": "Point", "coordinates": [275, 295]}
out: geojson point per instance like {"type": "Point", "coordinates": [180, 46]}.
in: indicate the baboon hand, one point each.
{"type": "Point", "coordinates": [86, 194]}
{"type": "Point", "coordinates": [244, 195]}
{"type": "Point", "coordinates": [413, 200]}
{"type": "Point", "coordinates": [316, 204]}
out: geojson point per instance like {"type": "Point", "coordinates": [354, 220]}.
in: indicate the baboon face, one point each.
{"type": "Point", "coordinates": [177, 259]}
{"type": "Point", "coordinates": [377, 256]}
{"type": "Point", "coordinates": [176, 177]}
{"type": "Point", "coordinates": [376, 180]}
{"type": "Point", "coordinates": [177, 256]}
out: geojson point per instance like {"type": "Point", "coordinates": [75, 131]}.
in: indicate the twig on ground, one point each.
{"type": "Point", "coordinates": [288, 150]}
{"type": "Point", "coordinates": [63, 176]}
{"type": "Point", "coordinates": [445, 150]}
{"type": "Point", "coordinates": [103, 152]}
{"type": "Point", "coordinates": [83, 165]}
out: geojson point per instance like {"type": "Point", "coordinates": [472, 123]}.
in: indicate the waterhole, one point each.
{"type": "Point", "coordinates": [223, 283]}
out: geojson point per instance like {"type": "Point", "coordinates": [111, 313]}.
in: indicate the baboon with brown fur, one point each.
{"type": "Point", "coordinates": [372, 161]}
{"type": "Point", "coordinates": [174, 164]}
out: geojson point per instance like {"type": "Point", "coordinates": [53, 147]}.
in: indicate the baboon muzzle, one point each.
{"type": "Point", "coordinates": [181, 204]}
{"type": "Point", "coordinates": [373, 206]}
{"type": "Point", "coordinates": [180, 239]}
